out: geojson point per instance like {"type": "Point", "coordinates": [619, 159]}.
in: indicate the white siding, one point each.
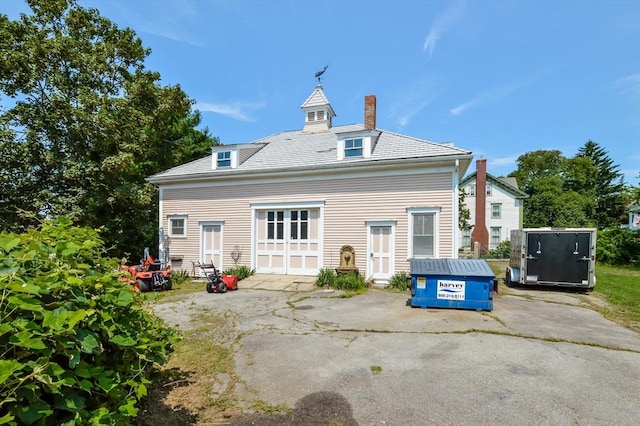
{"type": "Point", "coordinates": [511, 208]}
{"type": "Point", "coordinates": [349, 202]}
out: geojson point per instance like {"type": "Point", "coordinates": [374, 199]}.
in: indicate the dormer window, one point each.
{"type": "Point", "coordinates": [224, 159]}
{"type": "Point", "coordinates": [355, 145]}
{"type": "Point", "coordinates": [353, 148]}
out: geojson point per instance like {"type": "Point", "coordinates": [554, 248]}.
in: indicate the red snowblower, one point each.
{"type": "Point", "coordinates": [217, 283]}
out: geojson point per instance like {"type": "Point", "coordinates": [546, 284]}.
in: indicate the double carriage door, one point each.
{"type": "Point", "coordinates": [287, 241]}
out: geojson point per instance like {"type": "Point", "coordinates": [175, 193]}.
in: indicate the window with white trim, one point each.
{"type": "Point", "coordinates": [353, 147]}
{"type": "Point", "coordinates": [472, 190]}
{"type": "Point", "coordinates": [495, 237]}
{"type": "Point", "coordinates": [496, 210]}
{"type": "Point", "coordinates": [177, 226]}
{"type": "Point", "coordinates": [423, 236]}
{"type": "Point", "coordinates": [224, 159]}
{"type": "Point", "coordinates": [466, 237]}
{"type": "Point", "coordinates": [488, 189]}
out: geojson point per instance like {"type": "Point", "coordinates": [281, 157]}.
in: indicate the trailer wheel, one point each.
{"type": "Point", "coordinates": [507, 279]}
{"type": "Point", "coordinates": [142, 285]}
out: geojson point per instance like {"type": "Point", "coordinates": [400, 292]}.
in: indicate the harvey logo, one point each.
{"type": "Point", "coordinates": [451, 289]}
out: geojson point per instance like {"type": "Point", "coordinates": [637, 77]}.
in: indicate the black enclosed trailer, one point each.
{"type": "Point", "coordinates": [553, 256]}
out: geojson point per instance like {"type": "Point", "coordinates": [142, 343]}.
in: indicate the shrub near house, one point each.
{"type": "Point", "coordinates": [78, 346]}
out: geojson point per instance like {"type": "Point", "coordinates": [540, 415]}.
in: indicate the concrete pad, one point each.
{"type": "Point", "coordinates": [294, 283]}
{"type": "Point", "coordinates": [535, 359]}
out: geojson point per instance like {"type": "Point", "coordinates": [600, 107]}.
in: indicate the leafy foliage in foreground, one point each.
{"type": "Point", "coordinates": [78, 347]}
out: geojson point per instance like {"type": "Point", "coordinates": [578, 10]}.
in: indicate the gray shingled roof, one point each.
{"type": "Point", "coordinates": [299, 150]}
{"type": "Point", "coordinates": [508, 183]}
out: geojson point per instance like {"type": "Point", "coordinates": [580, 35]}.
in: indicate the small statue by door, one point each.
{"type": "Point", "coordinates": [347, 261]}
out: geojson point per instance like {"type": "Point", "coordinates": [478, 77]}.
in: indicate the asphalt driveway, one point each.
{"type": "Point", "coordinates": [540, 357]}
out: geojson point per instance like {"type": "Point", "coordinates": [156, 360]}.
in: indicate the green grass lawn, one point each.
{"type": "Point", "coordinates": [620, 286]}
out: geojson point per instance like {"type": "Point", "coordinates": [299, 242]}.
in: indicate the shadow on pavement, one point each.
{"type": "Point", "coordinates": [316, 409]}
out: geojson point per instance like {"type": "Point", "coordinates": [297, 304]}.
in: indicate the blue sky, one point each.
{"type": "Point", "coordinates": [499, 78]}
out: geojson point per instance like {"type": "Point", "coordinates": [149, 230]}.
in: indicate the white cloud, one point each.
{"type": "Point", "coordinates": [237, 111]}
{"type": "Point", "coordinates": [176, 20]}
{"type": "Point", "coordinates": [442, 24]}
{"type": "Point", "coordinates": [504, 161]}
{"type": "Point", "coordinates": [411, 100]}
{"type": "Point", "coordinates": [629, 85]}
{"type": "Point", "coordinates": [465, 106]}
{"type": "Point", "coordinates": [493, 95]}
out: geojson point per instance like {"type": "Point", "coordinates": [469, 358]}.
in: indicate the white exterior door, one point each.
{"type": "Point", "coordinates": [211, 244]}
{"type": "Point", "coordinates": [287, 241]}
{"type": "Point", "coordinates": [302, 243]}
{"type": "Point", "coordinates": [380, 264]}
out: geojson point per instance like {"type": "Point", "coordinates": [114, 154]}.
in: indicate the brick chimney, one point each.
{"type": "Point", "coordinates": [370, 112]}
{"type": "Point", "coordinates": [480, 233]}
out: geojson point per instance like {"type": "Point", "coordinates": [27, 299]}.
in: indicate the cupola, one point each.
{"type": "Point", "coordinates": [318, 112]}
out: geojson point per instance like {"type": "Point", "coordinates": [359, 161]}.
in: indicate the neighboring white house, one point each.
{"type": "Point", "coordinates": [288, 202]}
{"type": "Point", "coordinates": [634, 216]}
{"type": "Point", "coordinates": [501, 202]}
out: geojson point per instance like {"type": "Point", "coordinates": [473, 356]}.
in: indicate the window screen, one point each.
{"type": "Point", "coordinates": [423, 234]}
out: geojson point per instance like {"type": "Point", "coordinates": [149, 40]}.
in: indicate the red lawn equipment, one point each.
{"type": "Point", "coordinates": [217, 283]}
{"type": "Point", "coordinates": [149, 275]}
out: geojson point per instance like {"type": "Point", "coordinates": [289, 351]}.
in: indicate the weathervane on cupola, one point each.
{"type": "Point", "coordinates": [319, 73]}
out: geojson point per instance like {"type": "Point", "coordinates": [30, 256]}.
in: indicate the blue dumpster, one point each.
{"type": "Point", "coordinates": [451, 283]}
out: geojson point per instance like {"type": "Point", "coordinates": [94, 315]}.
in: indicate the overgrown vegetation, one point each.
{"type": "Point", "coordinates": [325, 278]}
{"type": "Point", "coordinates": [241, 272]}
{"type": "Point", "coordinates": [400, 281]}
{"type": "Point", "coordinates": [77, 345]}
{"type": "Point", "coordinates": [352, 283]}
{"type": "Point", "coordinates": [180, 276]}
{"type": "Point", "coordinates": [500, 252]}
{"type": "Point", "coordinates": [618, 246]}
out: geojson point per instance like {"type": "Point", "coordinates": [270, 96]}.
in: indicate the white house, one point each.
{"type": "Point", "coordinates": [499, 202]}
{"type": "Point", "coordinates": [288, 202]}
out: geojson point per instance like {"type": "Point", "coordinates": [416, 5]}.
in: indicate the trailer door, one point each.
{"type": "Point", "coordinates": [558, 257]}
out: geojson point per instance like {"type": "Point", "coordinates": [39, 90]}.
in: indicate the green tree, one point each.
{"type": "Point", "coordinates": [555, 187]}
{"type": "Point", "coordinates": [607, 186]}
{"type": "Point", "coordinates": [464, 214]}
{"type": "Point", "coordinates": [83, 123]}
